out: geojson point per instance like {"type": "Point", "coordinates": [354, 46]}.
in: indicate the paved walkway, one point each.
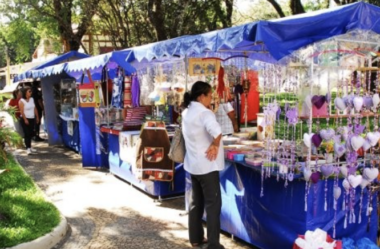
{"type": "Point", "coordinates": [103, 211]}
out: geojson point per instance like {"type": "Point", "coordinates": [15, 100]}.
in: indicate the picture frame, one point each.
{"type": "Point", "coordinates": [201, 66]}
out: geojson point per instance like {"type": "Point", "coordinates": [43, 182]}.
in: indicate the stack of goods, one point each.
{"type": "Point", "coordinates": [134, 118]}
{"type": "Point", "coordinates": [239, 149]}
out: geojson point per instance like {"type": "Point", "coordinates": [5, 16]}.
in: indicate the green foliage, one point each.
{"type": "Point", "coordinates": [132, 23]}
{"type": "Point", "coordinates": [24, 213]}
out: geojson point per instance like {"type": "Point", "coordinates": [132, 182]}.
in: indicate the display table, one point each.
{"type": "Point", "coordinates": [123, 170]}
{"type": "Point", "coordinates": [72, 141]}
{"type": "Point", "coordinates": [275, 220]}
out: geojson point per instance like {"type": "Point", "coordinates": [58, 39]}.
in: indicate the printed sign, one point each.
{"type": "Point", "coordinates": [199, 66]}
{"type": "Point", "coordinates": [89, 95]}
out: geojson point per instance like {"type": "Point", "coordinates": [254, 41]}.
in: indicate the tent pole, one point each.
{"type": "Point", "coordinates": [107, 97]}
{"type": "Point", "coordinates": [311, 109]}
{"type": "Point", "coordinates": [8, 70]}
{"type": "Point", "coordinates": [186, 71]}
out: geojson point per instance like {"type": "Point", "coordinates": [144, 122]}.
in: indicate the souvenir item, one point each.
{"type": "Point", "coordinates": [177, 149]}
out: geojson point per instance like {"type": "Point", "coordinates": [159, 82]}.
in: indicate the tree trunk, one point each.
{"type": "Point", "coordinates": [156, 18]}
{"type": "Point", "coordinates": [229, 10]}
{"type": "Point", "coordinates": [277, 7]}
{"type": "Point", "coordinates": [296, 7]}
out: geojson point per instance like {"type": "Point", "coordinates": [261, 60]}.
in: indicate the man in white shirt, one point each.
{"type": "Point", "coordinates": [225, 115]}
{"type": "Point", "coordinates": [203, 160]}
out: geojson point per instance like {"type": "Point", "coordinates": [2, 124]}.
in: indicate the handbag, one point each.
{"type": "Point", "coordinates": [177, 147]}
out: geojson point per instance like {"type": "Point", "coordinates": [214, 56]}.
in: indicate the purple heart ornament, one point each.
{"type": "Point", "coordinates": [359, 129]}
{"type": "Point", "coordinates": [318, 100]}
{"type": "Point", "coordinates": [327, 134]}
{"type": "Point", "coordinates": [315, 177]}
{"type": "Point", "coordinates": [278, 114]}
{"type": "Point", "coordinates": [327, 170]}
{"type": "Point", "coordinates": [316, 139]}
{"type": "Point", "coordinates": [339, 149]}
{"type": "Point", "coordinates": [368, 102]}
{"type": "Point", "coordinates": [328, 97]}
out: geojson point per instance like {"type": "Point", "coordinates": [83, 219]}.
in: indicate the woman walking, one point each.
{"type": "Point", "coordinates": [29, 117]}
{"type": "Point", "coordinates": [204, 159]}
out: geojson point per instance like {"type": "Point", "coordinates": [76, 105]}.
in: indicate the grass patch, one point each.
{"type": "Point", "coordinates": [24, 213]}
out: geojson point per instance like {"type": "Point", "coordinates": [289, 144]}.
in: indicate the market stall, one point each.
{"type": "Point", "coordinates": [291, 155]}
{"type": "Point", "coordinates": [120, 119]}
{"type": "Point", "coordinates": [52, 77]}
{"type": "Point", "coordinates": [337, 189]}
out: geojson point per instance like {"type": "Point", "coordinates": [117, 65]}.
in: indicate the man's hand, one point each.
{"type": "Point", "coordinates": [212, 152]}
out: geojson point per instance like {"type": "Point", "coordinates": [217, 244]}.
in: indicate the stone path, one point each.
{"type": "Point", "coordinates": [103, 211]}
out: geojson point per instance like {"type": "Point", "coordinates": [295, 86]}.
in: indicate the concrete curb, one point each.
{"type": "Point", "coordinates": [47, 241]}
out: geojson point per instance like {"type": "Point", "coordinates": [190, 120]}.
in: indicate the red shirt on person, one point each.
{"type": "Point", "coordinates": [14, 103]}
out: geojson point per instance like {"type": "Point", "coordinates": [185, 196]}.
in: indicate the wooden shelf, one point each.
{"type": "Point", "coordinates": [333, 116]}
{"type": "Point", "coordinates": [367, 69]}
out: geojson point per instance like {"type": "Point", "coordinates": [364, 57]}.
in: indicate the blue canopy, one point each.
{"type": "Point", "coordinates": [75, 68]}
{"type": "Point", "coordinates": [113, 59]}
{"type": "Point", "coordinates": [278, 37]}
{"type": "Point", "coordinates": [48, 68]}
{"type": "Point", "coordinates": [69, 56]}
{"type": "Point", "coordinates": [283, 36]}
{"type": "Point", "coordinates": [234, 40]}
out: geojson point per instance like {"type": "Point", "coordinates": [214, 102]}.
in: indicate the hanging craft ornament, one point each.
{"type": "Point", "coordinates": [355, 180]}
{"type": "Point", "coordinates": [292, 116]}
{"type": "Point", "coordinates": [317, 140]}
{"type": "Point", "coordinates": [340, 104]}
{"type": "Point", "coordinates": [327, 171]}
{"type": "Point", "coordinates": [327, 134]}
{"type": "Point", "coordinates": [357, 142]}
{"type": "Point", "coordinates": [318, 100]}
{"type": "Point", "coordinates": [373, 138]}
{"type": "Point", "coordinates": [337, 193]}
{"type": "Point", "coordinates": [370, 174]}
{"type": "Point", "coordinates": [246, 86]}
{"type": "Point", "coordinates": [375, 101]}
{"type": "Point", "coordinates": [358, 103]}
{"type": "Point", "coordinates": [307, 139]}
{"type": "Point", "coordinates": [346, 186]}
{"type": "Point", "coordinates": [363, 185]}
{"type": "Point", "coordinates": [308, 102]}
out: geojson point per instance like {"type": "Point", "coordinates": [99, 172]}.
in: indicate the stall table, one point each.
{"type": "Point", "coordinates": [72, 141]}
{"type": "Point", "coordinates": [276, 219]}
{"type": "Point", "coordinates": [123, 170]}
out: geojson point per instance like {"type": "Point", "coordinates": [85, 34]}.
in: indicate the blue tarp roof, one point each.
{"type": "Point", "coordinates": [75, 68]}
{"type": "Point", "coordinates": [283, 36]}
{"type": "Point", "coordinates": [72, 55]}
{"type": "Point", "coordinates": [279, 37]}
{"type": "Point", "coordinates": [118, 58]}
{"type": "Point", "coordinates": [48, 68]}
{"type": "Point", "coordinates": [264, 40]}
{"type": "Point", "coordinates": [234, 39]}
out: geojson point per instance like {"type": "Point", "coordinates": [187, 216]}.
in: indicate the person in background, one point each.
{"type": "Point", "coordinates": [29, 116]}
{"type": "Point", "coordinates": [14, 103]}
{"type": "Point", "coordinates": [203, 160]}
{"type": "Point", "coordinates": [225, 115]}
{"type": "Point", "coordinates": [37, 96]}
